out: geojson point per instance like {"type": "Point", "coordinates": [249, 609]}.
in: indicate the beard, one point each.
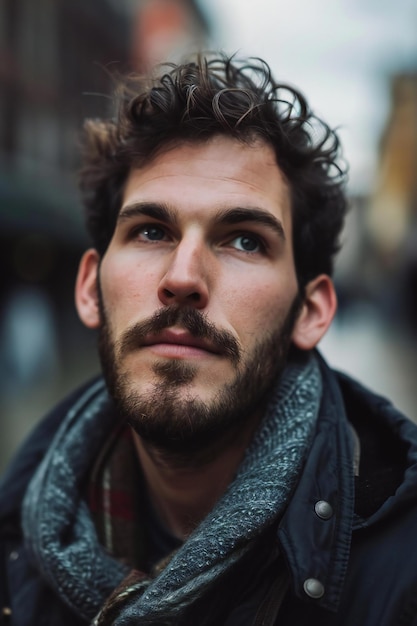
{"type": "Point", "coordinates": [177, 422]}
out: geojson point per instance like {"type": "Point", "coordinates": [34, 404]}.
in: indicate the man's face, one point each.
{"type": "Point", "coordinates": [198, 289]}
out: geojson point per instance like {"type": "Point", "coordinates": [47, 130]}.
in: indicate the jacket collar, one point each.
{"type": "Point", "coordinates": [315, 532]}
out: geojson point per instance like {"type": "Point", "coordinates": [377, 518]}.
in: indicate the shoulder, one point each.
{"type": "Point", "coordinates": [362, 406]}
{"type": "Point", "coordinates": [387, 442]}
{"type": "Point", "coordinates": [375, 418]}
{"type": "Point", "coordinates": [19, 472]}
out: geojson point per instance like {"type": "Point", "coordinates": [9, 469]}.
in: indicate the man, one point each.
{"type": "Point", "coordinates": [221, 473]}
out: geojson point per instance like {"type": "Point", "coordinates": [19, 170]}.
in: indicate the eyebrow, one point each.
{"type": "Point", "coordinates": [164, 213]}
{"type": "Point", "coordinates": [252, 214]}
{"type": "Point", "coordinates": [158, 211]}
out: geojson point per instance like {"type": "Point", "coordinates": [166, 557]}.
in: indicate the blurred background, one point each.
{"type": "Point", "coordinates": [356, 60]}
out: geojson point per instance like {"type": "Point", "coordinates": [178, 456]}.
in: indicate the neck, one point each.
{"type": "Point", "coordinates": [183, 489]}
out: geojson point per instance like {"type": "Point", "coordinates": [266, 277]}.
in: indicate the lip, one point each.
{"type": "Point", "coordinates": [177, 342]}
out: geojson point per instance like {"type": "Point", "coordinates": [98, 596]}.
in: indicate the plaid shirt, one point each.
{"type": "Point", "coordinates": [114, 493]}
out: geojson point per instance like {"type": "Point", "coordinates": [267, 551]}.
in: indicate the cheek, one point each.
{"type": "Point", "coordinates": [258, 307]}
{"type": "Point", "coordinates": [127, 290]}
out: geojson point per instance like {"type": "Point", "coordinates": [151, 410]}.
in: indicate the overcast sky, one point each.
{"type": "Point", "coordinates": [340, 53]}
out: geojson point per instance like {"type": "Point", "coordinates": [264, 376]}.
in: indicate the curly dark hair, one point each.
{"type": "Point", "coordinates": [210, 96]}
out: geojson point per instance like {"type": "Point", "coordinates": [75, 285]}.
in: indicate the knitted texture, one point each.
{"type": "Point", "coordinates": [57, 525]}
{"type": "Point", "coordinates": [62, 540]}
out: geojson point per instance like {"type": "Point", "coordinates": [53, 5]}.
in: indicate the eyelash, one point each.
{"type": "Point", "coordinates": [261, 247]}
{"type": "Point", "coordinates": [140, 230]}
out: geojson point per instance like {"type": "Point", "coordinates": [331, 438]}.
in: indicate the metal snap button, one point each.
{"type": "Point", "coordinates": [313, 588]}
{"type": "Point", "coordinates": [323, 509]}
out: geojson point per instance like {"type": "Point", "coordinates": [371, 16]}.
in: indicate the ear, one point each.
{"type": "Point", "coordinates": [86, 294]}
{"type": "Point", "coordinates": [317, 312]}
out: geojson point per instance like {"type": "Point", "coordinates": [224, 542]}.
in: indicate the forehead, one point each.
{"type": "Point", "coordinates": [218, 173]}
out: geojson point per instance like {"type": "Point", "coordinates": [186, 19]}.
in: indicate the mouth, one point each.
{"type": "Point", "coordinates": [179, 343]}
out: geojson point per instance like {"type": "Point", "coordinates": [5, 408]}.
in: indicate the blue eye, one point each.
{"type": "Point", "coordinates": [152, 233]}
{"type": "Point", "coordinates": [246, 243]}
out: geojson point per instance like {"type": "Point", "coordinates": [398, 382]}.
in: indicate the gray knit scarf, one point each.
{"type": "Point", "coordinates": [61, 537]}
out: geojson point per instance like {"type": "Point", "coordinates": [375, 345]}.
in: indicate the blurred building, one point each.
{"type": "Point", "coordinates": [54, 57]}
{"type": "Point", "coordinates": [392, 217]}
{"type": "Point", "coordinates": [57, 62]}
{"type": "Point", "coordinates": [374, 337]}
{"type": "Point", "coordinates": [165, 29]}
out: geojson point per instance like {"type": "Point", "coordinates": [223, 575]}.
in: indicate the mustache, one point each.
{"type": "Point", "coordinates": [190, 319]}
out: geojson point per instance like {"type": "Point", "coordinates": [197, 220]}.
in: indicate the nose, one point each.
{"type": "Point", "coordinates": [185, 281]}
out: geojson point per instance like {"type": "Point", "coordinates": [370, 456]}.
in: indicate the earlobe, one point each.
{"type": "Point", "coordinates": [86, 294]}
{"type": "Point", "coordinates": [317, 312]}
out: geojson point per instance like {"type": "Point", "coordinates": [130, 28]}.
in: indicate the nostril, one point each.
{"type": "Point", "coordinates": [194, 296]}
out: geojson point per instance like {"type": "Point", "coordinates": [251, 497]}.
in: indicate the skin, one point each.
{"type": "Point", "coordinates": [209, 226]}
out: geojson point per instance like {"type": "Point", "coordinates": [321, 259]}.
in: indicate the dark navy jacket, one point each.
{"type": "Point", "coordinates": [349, 545]}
